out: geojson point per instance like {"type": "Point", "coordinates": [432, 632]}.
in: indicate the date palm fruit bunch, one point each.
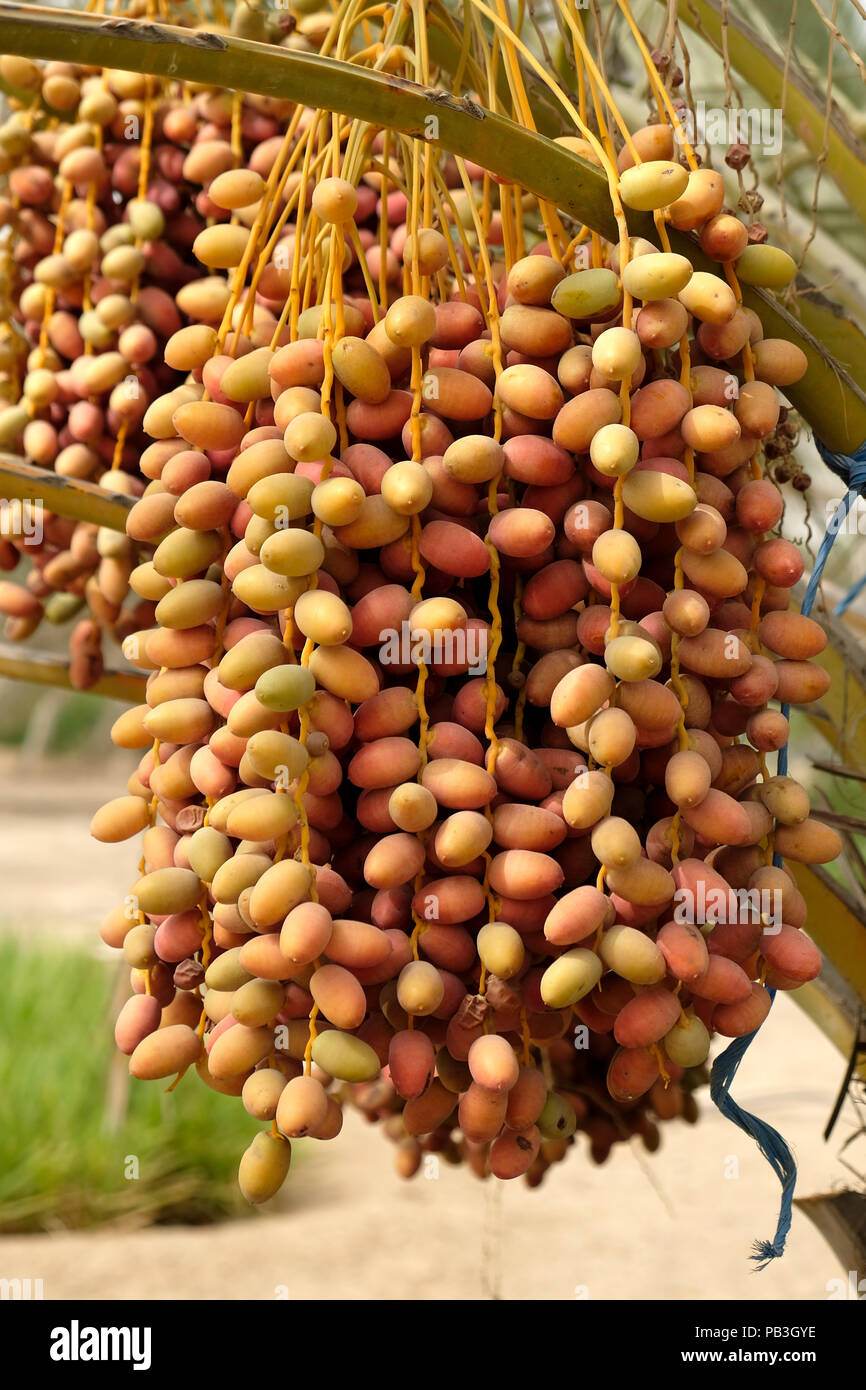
{"type": "Point", "coordinates": [472, 622]}
{"type": "Point", "coordinates": [104, 209]}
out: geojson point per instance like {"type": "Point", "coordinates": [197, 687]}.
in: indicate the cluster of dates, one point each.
{"type": "Point", "coordinates": [104, 207]}
{"type": "Point", "coordinates": [470, 617]}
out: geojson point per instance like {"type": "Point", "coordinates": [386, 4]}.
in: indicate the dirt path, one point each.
{"type": "Point", "coordinates": [53, 877]}
{"type": "Point", "coordinates": [675, 1225]}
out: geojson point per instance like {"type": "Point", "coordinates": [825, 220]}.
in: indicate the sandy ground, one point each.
{"type": "Point", "coordinates": [675, 1225]}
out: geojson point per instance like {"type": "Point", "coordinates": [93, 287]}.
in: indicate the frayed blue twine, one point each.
{"type": "Point", "coordinates": [769, 1141]}
{"type": "Point", "coordinates": [852, 470]}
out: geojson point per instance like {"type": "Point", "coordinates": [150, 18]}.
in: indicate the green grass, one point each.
{"type": "Point", "coordinates": [61, 1165]}
{"type": "Point", "coordinates": [75, 722]}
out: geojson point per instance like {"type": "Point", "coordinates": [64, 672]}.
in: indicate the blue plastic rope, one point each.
{"type": "Point", "coordinates": [769, 1141]}
{"type": "Point", "coordinates": [852, 471]}
{"type": "Point", "coordinates": [853, 592]}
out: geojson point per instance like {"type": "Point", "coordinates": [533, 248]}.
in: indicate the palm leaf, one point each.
{"type": "Point", "coordinates": [802, 105]}
{"type": "Point", "coordinates": [70, 497]}
{"type": "Point", "coordinates": [43, 668]}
